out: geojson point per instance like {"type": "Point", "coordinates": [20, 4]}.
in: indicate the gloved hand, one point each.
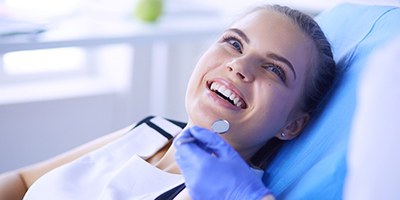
{"type": "Point", "coordinates": [222, 174]}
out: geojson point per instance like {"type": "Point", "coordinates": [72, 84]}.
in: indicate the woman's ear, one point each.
{"type": "Point", "coordinates": [294, 128]}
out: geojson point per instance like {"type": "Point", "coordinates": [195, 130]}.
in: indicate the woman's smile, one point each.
{"type": "Point", "coordinates": [226, 94]}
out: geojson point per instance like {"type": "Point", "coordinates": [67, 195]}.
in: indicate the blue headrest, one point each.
{"type": "Point", "coordinates": [313, 166]}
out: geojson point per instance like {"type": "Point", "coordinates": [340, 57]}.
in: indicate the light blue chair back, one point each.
{"type": "Point", "coordinates": [314, 165]}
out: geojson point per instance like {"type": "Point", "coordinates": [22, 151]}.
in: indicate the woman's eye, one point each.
{"type": "Point", "coordinates": [278, 71]}
{"type": "Point", "coordinates": [235, 44]}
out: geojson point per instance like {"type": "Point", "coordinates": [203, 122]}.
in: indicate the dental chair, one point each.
{"type": "Point", "coordinates": [314, 165]}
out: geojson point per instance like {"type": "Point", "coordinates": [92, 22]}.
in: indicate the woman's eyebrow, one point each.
{"type": "Point", "coordinates": [240, 33]}
{"type": "Point", "coordinates": [284, 60]}
{"type": "Point", "coordinates": [270, 55]}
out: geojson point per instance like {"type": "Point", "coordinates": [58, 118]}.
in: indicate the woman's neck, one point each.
{"type": "Point", "coordinates": [164, 159]}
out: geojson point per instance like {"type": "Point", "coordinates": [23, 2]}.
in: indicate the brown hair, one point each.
{"type": "Point", "coordinates": [320, 79]}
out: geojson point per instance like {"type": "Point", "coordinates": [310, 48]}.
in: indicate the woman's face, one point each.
{"type": "Point", "coordinates": [253, 76]}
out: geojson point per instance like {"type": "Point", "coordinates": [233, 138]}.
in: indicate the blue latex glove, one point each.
{"type": "Point", "coordinates": [222, 174]}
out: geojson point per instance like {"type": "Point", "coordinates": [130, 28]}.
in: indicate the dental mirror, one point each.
{"type": "Point", "coordinates": [220, 126]}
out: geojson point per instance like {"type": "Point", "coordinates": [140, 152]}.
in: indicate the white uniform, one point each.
{"type": "Point", "coordinates": [374, 143]}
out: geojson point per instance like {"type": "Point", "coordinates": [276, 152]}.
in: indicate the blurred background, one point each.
{"type": "Point", "coordinates": [72, 71]}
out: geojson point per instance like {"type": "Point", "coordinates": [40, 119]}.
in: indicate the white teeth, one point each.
{"type": "Point", "coordinates": [236, 100]}
{"type": "Point", "coordinates": [214, 86]}
{"type": "Point", "coordinates": [227, 93]}
{"type": "Point", "coordinates": [221, 89]}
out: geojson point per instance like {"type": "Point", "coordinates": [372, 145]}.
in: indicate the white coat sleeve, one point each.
{"type": "Point", "coordinates": [374, 145]}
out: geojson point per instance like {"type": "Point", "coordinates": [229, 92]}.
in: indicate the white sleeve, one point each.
{"type": "Point", "coordinates": [374, 145]}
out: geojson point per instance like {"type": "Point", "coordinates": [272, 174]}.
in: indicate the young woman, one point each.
{"type": "Point", "coordinates": [266, 75]}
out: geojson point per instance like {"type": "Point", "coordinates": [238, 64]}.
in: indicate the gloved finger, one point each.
{"type": "Point", "coordinates": [185, 134]}
{"type": "Point", "coordinates": [192, 151]}
{"type": "Point", "coordinates": [192, 158]}
{"type": "Point", "coordinates": [213, 142]}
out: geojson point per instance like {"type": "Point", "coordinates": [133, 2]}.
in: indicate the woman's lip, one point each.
{"type": "Point", "coordinates": [229, 86]}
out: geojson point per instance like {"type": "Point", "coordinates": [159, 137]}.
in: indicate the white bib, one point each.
{"type": "Point", "coordinates": [116, 171]}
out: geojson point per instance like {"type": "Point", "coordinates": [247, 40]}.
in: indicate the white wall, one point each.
{"type": "Point", "coordinates": [149, 78]}
{"type": "Point", "coordinates": [31, 132]}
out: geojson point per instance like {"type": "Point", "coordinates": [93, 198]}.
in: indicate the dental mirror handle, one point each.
{"type": "Point", "coordinates": [219, 126]}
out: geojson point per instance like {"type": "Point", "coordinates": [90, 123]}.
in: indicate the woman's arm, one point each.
{"type": "Point", "coordinates": [14, 184]}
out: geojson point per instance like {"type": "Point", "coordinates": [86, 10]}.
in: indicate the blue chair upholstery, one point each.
{"type": "Point", "coordinates": [314, 165]}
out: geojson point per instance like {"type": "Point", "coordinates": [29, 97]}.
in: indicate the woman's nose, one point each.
{"type": "Point", "coordinates": [241, 70]}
